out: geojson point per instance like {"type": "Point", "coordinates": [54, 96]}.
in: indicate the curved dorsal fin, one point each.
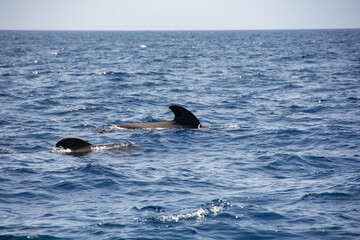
{"type": "Point", "coordinates": [72, 143]}
{"type": "Point", "coordinates": [185, 117]}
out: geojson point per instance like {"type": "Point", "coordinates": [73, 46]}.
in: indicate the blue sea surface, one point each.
{"type": "Point", "coordinates": [278, 157]}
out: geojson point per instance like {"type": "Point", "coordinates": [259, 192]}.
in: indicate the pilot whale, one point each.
{"type": "Point", "coordinates": [183, 119]}
{"type": "Point", "coordinates": [76, 145]}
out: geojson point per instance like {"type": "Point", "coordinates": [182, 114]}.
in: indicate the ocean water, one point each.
{"type": "Point", "coordinates": [278, 157]}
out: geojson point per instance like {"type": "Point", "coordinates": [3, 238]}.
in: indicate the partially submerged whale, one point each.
{"type": "Point", "coordinates": [76, 145]}
{"type": "Point", "coordinates": [183, 119]}
{"type": "Point", "coordinates": [79, 146]}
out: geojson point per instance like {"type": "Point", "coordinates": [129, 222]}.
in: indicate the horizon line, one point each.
{"type": "Point", "coordinates": [178, 30]}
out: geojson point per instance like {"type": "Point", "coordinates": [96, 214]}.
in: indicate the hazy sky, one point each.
{"type": "Point", "coordinates": [178, 14]}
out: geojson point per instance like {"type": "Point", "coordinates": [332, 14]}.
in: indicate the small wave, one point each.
{"type": "Point", "coordinates": [121, 145]}
{"type": "Point", "coordinates": [38, 237]}
{"type": "Point", "coordinates": [6, 151]}
{"type": "Point", "coordinates": [24, 196]}
{"type": "Point", "coordinates": [269, 216]}
{"type": "Point", "coordinates": [58, 119]}
{"type": "Point", "coordinates": [111, 128]}
{"type": "Point", "coordinates": [150, 208]}
{"type": "Point", "coordinates": [326, 196]}
{"type": "Point", "coordinates": [230, 126]}
{"type": "Point", "coordinates": [110, 225]}
{"type": "Point", "coordinates": [60, 151]}
{"type": "Point", "coordinates": [98, 170]}
{"type": "Point", "coordinates": [119, 74]}
{"type": "Point", "coordinates": [212, 208]}
{"type": "Point", "coordinates": [114, 128]}
{"type": "Point", "coordinates": [82, 108]}
{"type": "Point", "coordinates": [68, 186]}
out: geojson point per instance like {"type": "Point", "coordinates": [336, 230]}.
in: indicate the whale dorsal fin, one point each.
{"type": "Point", "coordinates": [72, 143]}
{"type": "Point", "coordinates": [185, 117]}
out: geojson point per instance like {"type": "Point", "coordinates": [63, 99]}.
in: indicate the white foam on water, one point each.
{"type": "Point", "coordinates": [213, 208]}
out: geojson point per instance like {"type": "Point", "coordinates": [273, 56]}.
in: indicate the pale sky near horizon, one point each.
{"type": "Point", "coordinates": [178, 14]}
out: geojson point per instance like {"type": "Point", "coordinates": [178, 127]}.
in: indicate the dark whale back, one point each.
{"type": "Point", "coordinates": [73, 144]}
{"type": "Point", "coordinates": [185, 117]}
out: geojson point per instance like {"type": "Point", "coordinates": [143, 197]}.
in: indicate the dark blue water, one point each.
{"type": "Point", "coordinates": [279, 157]}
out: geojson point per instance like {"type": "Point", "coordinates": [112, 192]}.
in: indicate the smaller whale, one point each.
{"type": "Point", "coordinates": [78, 146]}
{"type": "Point", "coordinates": [183, 119]}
